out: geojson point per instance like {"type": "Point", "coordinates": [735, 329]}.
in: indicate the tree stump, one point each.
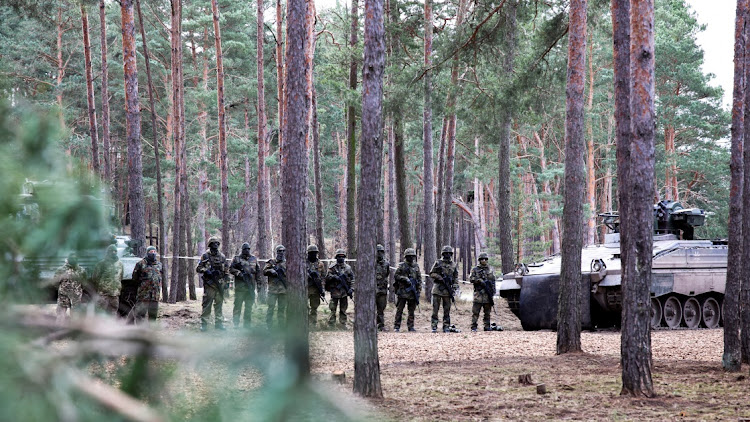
{"type": "Point", "coordinates": [525, 379]}
{"type": "Point", "coordinates": [338, 376]}
{"type": "Point", "coordinates": [541, 389]}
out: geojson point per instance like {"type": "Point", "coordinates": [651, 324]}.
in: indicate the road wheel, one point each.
{"type": "Point", "coordinates": [691, 313]}
{"type": "Point", "coordinates": [711, 313]}
{"type": "Point", "coordinates": [656, 313]}
{"type": "Point", "coordinates": [672, 312]}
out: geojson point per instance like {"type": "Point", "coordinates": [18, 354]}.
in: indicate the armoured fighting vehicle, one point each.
{"type": "Point", "coordinates": [688, 277]}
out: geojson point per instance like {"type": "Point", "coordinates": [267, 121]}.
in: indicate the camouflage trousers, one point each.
{"type": "Point", "coordinates": [246, 296]}
{"type": "Point", "coordinates": [142, 308]}
{"type": "Point", "coordinates": [109, 304]}
{"type": "Point", "coordinates": [436, 302]}
{"type": "Point", "coordinates": [212, 295]}
{"type": "Point", "coordinates": [273, 300]}
{"type": "Point", "coordinates": [69, 294]}
{"type": "Point", "coordinates": [312, 316]}
{"type": "Point", "coordinates": [381, 300]}
{"type": "Point", "coordinates": [342, 303]}
{"type": "Point", "coordinates": [475, 309]}
{"type": "Point", "coordinates": [411, 305]}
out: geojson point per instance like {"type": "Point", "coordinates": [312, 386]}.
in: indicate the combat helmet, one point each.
{"type": "Point", "coordinates": [213, 239]}
{"type": "Point", "coordinates": [447, 249]}
{"type": "Point", "coordinates": [380, 248]}
{"type": "Point", "coordinates": [483, 255]}
{"type": "Point", "coordinates": [312, 248]}
{"type": "Point", "coordinates": [245, 246]}
{"type": "Point", "coordinates": [280, 248]}
{"type": "Point", "coordinates": [340, 252]}
{"type": "Point", "coordinates": [410, 252]}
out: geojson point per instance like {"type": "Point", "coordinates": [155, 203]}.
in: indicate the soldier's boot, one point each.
{"type": "Point", "coordinates": [412, 329]}
{"type": "Point", "coordinates": [220, 326]}
{"type": "Point", "coordinates": [204, 327]}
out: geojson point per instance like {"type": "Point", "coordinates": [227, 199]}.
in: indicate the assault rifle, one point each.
{"type": "Point", "coordinates": [315, 278]}
{"type": "Point", "coordinates": [344, 285]}
{"type": "Point", "coordinates": [489, 287]}
{"type": "Point", "coordinates": [447, 282]}
{"type": "Point", "coordinates": [412, 288]}
{"type": "Point", "coordinates": [246, 278]}
{"type": "Point", "coordinates": [214, 278]}
{"type": "Point", "coordinates": [281, 273]}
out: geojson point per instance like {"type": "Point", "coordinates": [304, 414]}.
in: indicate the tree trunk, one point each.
{"type": "Point", "coordinates": [351, 133]}
{"type": "Point", "coordinates": [222, 131]}
{"type": "Point", "coordinates": [366, 362]}
{"type": "Point", "coordinates": [430, 253]}
{"type": "Point", "coordinates": [203, 154]}
{"type": "Point", "coordinates": [264, 244]}
{"type": "Point", "coordinates": [93, 132]}
{"type": "Point", "coordinates": [590, 150]}
{"type": "Point", "coordinates": [670, 179]}
{"type": "Point", "coordinates": [439, 181]}
{"type": "Point", "coordinates": [320, 239]}
{"type": "Point", "coordinates": [294, 179]}
{"type": "Point", "coordinates": [636, 298]}
{"type": "Point", "coordinates": [731, 360]}
{"type": "Point", "coordinates": [280, 72]}
{"type": "Point", "coordinates": [504, 199]}
{"type": "Point", "coordinates": [61, 65]}
{"type": "Point", "coordinates": [178, 140]}
{"type": "Point", "coordinates": [744, 304]}
{"type": "Point", "coordinates": [133, 129]}
{"type": "Point", "coordinates": [393, 253]}
{"type": "Point", "coordinates": [157, 160]}
{"type": "Point", "coordinates": [568, 314]}
{"type": "Point", "coordinates": [105, 93]}
{"type": "Point", "coordinates": [402, 203]}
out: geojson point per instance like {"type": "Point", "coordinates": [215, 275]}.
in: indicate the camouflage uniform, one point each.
{"type": "Point", "coordinates": [246, 272]}
{"type": "Point", "coordinates": [107, 280]}
{"type": "Point", "coordinates": [149, 276]}
{"type": "Point", "coordinates": [275, 271]}
{"type": "Point", "coordinates": [213, 286]}
{"type": "Point", "coordinates": [70, 278]}
{"type": "Point", "coordinates": [318, 267]}
{"type": "Point", "coordinates": [339, 298]}
{"type": "Point", "coordinates": [404, 273]}
{"type": "Point", "coordinates": [382, 272]}
{"type": "Point", "coordinates": [440, 293]}
{"type": "Point", "coordinates": [482, 301]}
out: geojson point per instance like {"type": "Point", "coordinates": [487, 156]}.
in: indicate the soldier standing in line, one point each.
{"type": "Point", "coordinates": [246, 272]}
{"type": "Point", "coordinates": [340, 282]}
{"type": "Point", "coordinates": [149, 275]}
{"type": "Point", "coordinates": [213, 268]}
{"type": "Point", "coordinates": [69, 278]}
{"type": "Point", "coordinates": [382, 272]}
{"type": "Point", "coordinates": [483, 279]}
{"type": "Point", "coordinates": [408, 289]}
{"type": "Point", "coordinates": [445, 274]}
{"type": "Point", "coordinates": [275, 270]}
{"type": "Point", "coordinates": [107, 280]}
{"type": "Point", "coordinates": [316, 274]}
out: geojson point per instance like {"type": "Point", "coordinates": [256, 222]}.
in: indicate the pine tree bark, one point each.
{"type": "Point", "coordinates": [319, 238]}
{"type": "Point", "coordinates": [590, 155]}
{"type": "Point", "coordinates": [178, 140]}
{"type": "Point", "coordinates": [264, 244]}
{"type": "Point", "coordinates": [105, 92]}
{"type": "Point", "coordinates": [402, 203]}
{"type": "Point", "coordinates": [133, 129]}
{"type": "Point", "coordinates": [439, 197]}
{"type": "Point", "coordinates": [393, 253]}
{"type": "Point", "coordinates": [203, 153]}
{"type": "Point", "coordinates": [636, 358]}
{"type": "Point", "coordinates": [731, 359]}
{"type": "Point", "coordinates": [505, 220]}
{"type": "Point", "coordinates": [279, 76]}
{"type": "Point", "coordinates": [157, 160]}
{"type": "Point", "coordinates": [745, 289]}
{"type": "Point", "coordinates": [568, 313]}
{"type": "Point", "coordinates": [366, 362]}
{"type": "Point", "coordinates": [222, 131]}
{"type": "Point", "coordinates": [430, 253]}
{"type": "Point", "coordinates": [294, 178]}
{"type": "Point", "coordinates": [351, 133]}
{"type": "Point", "coordinates": [93, 131]}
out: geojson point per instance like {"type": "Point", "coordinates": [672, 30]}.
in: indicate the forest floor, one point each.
{"type": "Point", "coordinates": [475, 376]}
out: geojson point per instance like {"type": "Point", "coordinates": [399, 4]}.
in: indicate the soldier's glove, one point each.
{"type": "Point", "coordinates": [273, 273]}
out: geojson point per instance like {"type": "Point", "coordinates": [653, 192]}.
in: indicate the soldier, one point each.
{"type": "Point", "coordinates": [382, 272]}
{"type": "Point", "coordinates": [340, 282]}
{"type": "Point", "coordinates": [213, 267]}
{"type": "Point", "coordinates": [69, 277]}
{"type": "Point", "coordinates": [408, 289]}
{"type": "Point", "coordinates": [445, 274]}
{"type": "Point", "coordinates": [275, 270]}
{"type": "Point", "coordinates": [246, 272]}
{"type": "Point", "coordinates": [483, 279]}
{"type": "Point", "coordinates": [316, 274]}
{"type": "Point", "coordinates": [107, 280]}
{"type": "Point", "coordinates": [148, 274]}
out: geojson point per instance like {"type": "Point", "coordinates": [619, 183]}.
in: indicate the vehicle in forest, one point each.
{"type": "Point", "coordinates": [688, 277]}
